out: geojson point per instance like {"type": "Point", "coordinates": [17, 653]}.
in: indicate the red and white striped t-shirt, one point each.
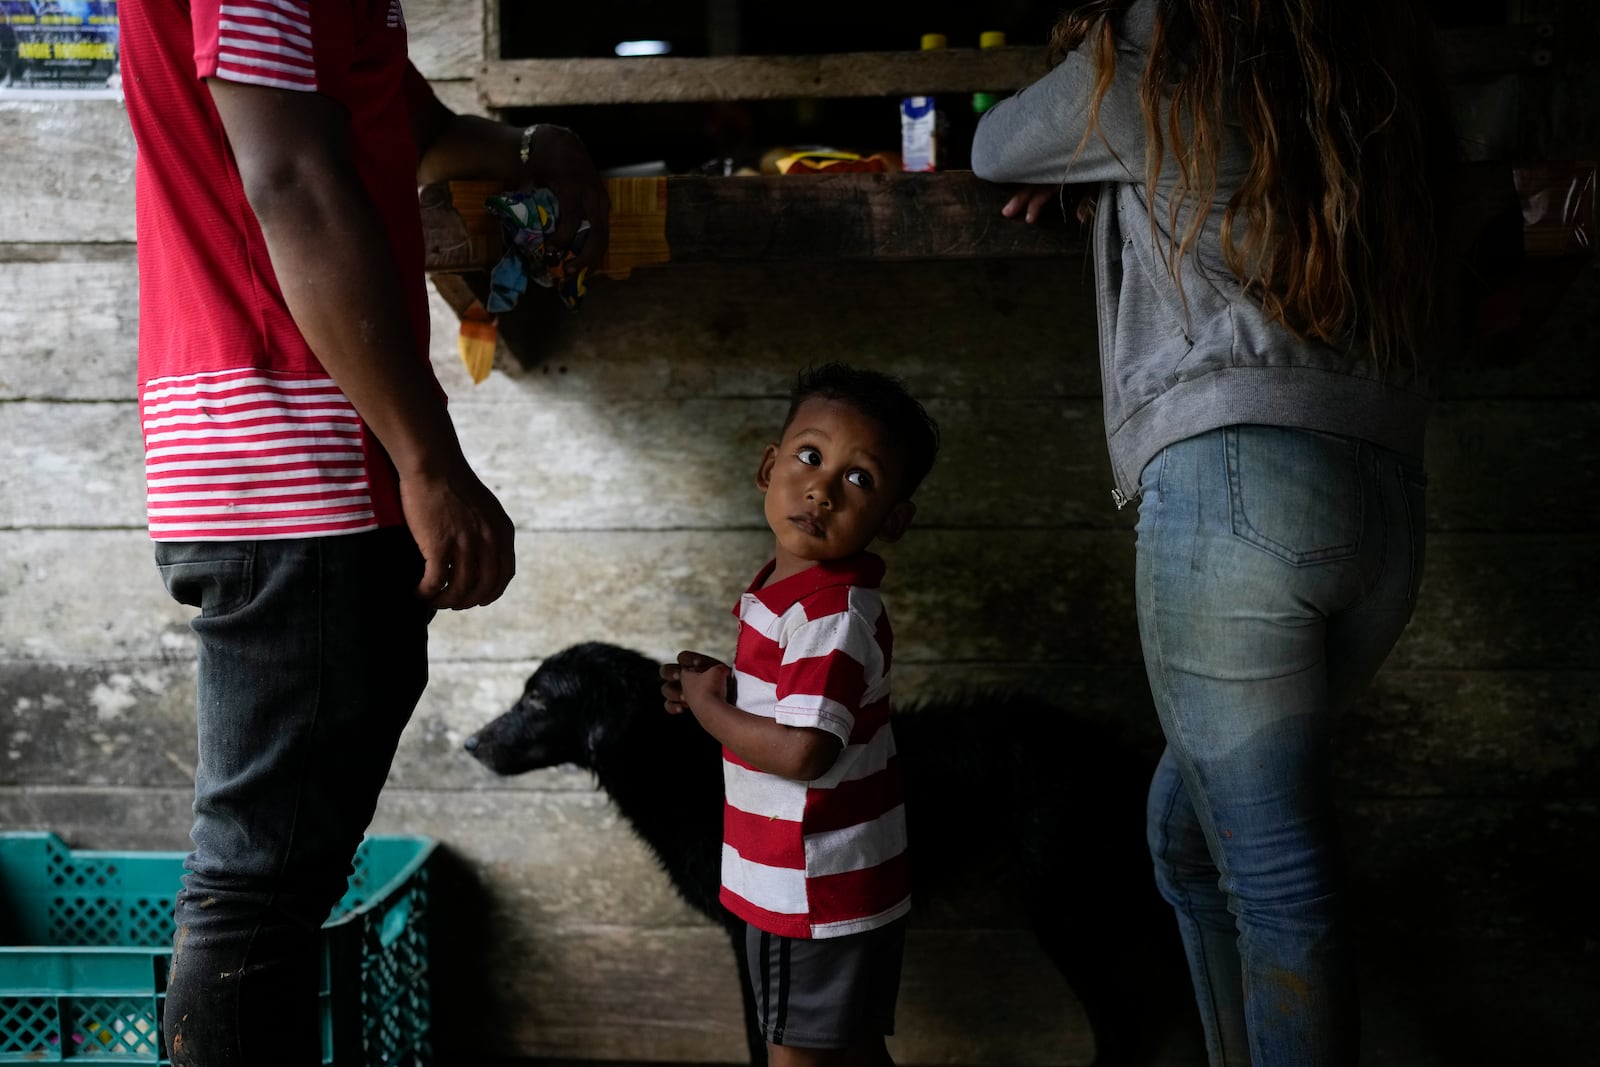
{"type": "Point", "coordinates": [827, 857]}
{"type": "Point", "coordinates": [246, 435]}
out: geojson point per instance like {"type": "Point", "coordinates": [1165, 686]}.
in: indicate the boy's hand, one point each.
{"type": "Point", "coordinates": [672, 689]}
{"type": "Point", "coordinates": [702, 685]}
{"type": "Point", "coordinates": [694, 678]}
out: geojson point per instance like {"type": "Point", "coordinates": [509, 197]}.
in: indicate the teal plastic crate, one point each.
{"type": "Point", "coordinates": [86, 939]}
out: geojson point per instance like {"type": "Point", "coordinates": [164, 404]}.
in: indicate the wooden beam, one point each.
{"type": "Point", "coordinates": [859, 216]}
{"type": "Point", "coordinates": [674, 79]}
{"type": "Point", "coordinates": [457, 231]}
{"type": "Point", "coordinates": [891, 216]}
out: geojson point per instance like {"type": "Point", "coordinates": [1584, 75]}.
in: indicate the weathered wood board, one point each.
{"type": "Point", "coordinates": [1420, 733]}
{"type": "Point", "coordinates": [823, 219]}
{"type": "Point", "coordinates": [991, 328]}
{"type": "Point", "coordinates": [965, 596]}
{"type": "Point", "coordinates": [1479, 460]}
{"type": "Point", "coordinates": [67, 171]}
{"type": "Point", "coordinates": [548, 82]}
{"type": "Point", "coordinates": [560, 930]}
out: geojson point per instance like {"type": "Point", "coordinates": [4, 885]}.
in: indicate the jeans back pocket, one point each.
{"type": "Point", "coordinates": [1297, 494]}
{"type": "Point", "coordinates": [214, 577]}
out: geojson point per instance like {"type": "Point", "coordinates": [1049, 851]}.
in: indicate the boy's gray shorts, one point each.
{"type": "Point", "coordinates": [830, 993]}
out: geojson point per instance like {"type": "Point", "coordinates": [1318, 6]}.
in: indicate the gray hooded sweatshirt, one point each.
{"type": "Point", "coordinates": [1175, 363]}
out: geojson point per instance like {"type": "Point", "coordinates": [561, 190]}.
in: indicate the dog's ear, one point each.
{"type": "Point", "coordinates": [596, 733]}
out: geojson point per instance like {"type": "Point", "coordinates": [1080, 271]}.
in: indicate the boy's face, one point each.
{"type": "Point", "coordinates": [833, 485]}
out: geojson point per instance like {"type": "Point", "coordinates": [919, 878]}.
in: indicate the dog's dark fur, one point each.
{"type": "Point", "coordinates": [1005, 788]}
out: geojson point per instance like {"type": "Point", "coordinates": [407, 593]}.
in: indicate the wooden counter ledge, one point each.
{"type": "Point", "coordinates": [819, 217]}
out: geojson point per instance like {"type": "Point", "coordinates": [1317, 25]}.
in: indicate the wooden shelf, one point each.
{"type": "Point", "coordinates": [822, 218]}
{"type": "Point", "coordinates": [817, 217]}
{"type": "Point", "coordinates": [509, 83]}
{"type": "Point", "coordinates": [670, 79]}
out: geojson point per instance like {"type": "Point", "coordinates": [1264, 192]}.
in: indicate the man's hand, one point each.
{"type": "Point", "coordinates": [558, 161]}
{"type": "Point", "coordinates": [695, 678]}
{"type": "Point", "coordinates": [453, 146]}
{"type": "Point", "coordinates": [465, 537]}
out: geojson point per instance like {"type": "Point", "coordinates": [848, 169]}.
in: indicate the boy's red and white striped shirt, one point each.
{"type": "Point", "coordinates": [827, 857]}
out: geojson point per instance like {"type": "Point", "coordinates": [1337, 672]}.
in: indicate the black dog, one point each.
{"type": "Point", "coordinates": [1008, 789]}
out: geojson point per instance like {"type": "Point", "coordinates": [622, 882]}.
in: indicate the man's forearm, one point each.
{"type": "Point", "coordinates": [467, 146]}
{"type": "Point", "coordinates": [333, 262]}
{"type": "Point", "coordinates": [331, 255]}
{"type": "Point", "coordinates": [451, 146]}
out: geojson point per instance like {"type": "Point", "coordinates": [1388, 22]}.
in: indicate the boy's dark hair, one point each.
{"type": "Point", "coordinates": [881, 398]}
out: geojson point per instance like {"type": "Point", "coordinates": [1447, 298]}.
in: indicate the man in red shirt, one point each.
{"type": "Point", "coordinates": [306, 488]}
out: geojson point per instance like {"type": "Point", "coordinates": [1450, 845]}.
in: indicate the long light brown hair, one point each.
{"type": "Point", "coordinates": [1333, 229]}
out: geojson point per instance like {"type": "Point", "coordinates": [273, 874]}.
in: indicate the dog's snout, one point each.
{"type": "Point", "coordinates": [471, 743]}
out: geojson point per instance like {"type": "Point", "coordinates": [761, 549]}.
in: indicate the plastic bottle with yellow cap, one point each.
{"type": "Point", "coordinates": [924, 129]}
{"type": "Point", "coordinates": [957, 154]}
{"type": "Point", "coordinates": [983, 101]}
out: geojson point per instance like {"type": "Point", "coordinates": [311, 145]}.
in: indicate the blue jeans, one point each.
{"type": "Point", "coordinates": [312, 654]}
{"type": "Point", "coordinates": [1276, 568]}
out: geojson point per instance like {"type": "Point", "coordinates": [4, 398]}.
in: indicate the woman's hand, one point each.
{"type": "Point", "coordinates": [1029, 200]}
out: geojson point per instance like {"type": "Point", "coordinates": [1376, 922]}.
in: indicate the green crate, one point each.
{"type": "Point", "coordinates": [86, 939]}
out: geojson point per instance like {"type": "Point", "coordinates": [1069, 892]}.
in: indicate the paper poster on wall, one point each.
{"type": "Point", "coordinates": [55, 49]}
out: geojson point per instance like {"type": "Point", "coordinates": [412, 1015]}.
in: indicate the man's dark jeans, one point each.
{"type": "Point", "coordinates": [312, 655]}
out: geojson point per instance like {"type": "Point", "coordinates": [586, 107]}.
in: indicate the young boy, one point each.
{"type": "Point", "coordinates": [813, 855]}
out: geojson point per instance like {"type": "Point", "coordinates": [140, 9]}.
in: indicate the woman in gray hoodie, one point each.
{"type": "Point", "coordinates": [1263, 176]}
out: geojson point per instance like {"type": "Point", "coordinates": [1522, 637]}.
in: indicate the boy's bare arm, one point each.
{"type": "Point", "coordinates": [700, 684]}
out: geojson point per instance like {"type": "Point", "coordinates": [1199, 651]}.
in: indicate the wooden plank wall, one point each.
{"type": "Point", "coordinates": [626, 458]}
